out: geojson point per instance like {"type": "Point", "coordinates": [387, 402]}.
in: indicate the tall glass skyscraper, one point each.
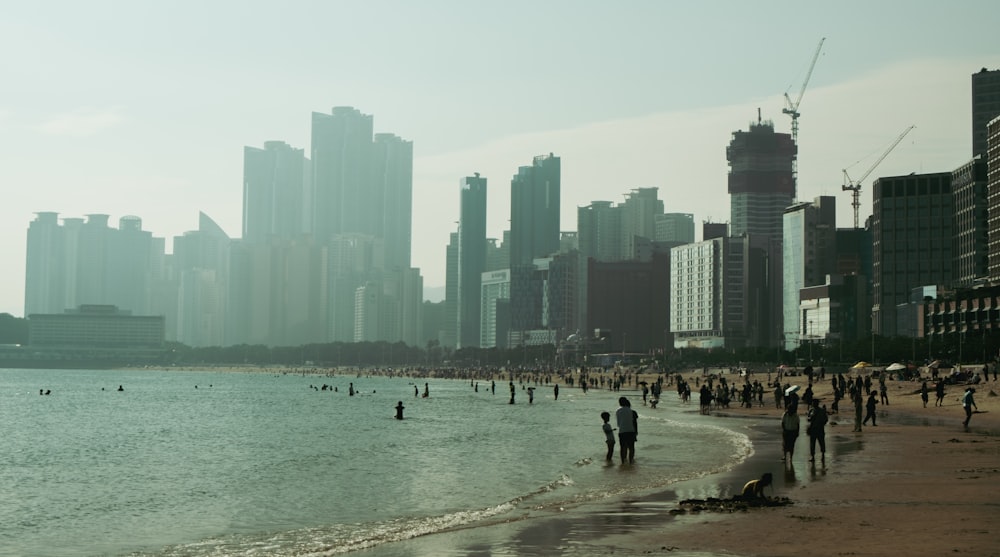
{"type": "Point", "coordinates": [534, 233]}
{"type": "Point", "coordinates": [471, 258]}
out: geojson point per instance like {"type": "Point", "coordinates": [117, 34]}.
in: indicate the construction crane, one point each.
{"type": "Point", "coordinates": [855, 186]}
{"type": "Point", "coordinates": [792, 108]}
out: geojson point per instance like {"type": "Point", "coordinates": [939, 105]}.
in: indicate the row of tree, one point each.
{"type": "Point", "coordinates": [968, 349]}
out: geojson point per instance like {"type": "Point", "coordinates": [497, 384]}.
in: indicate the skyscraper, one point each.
{"type": "Point", "coordinates": [361, 194]}
{"type": "Point", "coordinates": [968, 184]}
{"type": "Point", "coordinates": [274, 192]}
{"type": "Point", "coordinates": [534, 210]}
{"type": "Point", "coordinates": [912, 241]}
{"type": "Point", "coordinates": [343, 199]}
{"type": "Point", "coordinates": [985, 106]}
{"type": "Point", "coordinates": [761, 184]}
{"type": "Point", "coordinates": [534, 233]}
{"type": "Point", "coordinates": [639, 212]}
{"type": "Point", "coordinates": [993, 198]}
{"type": "Point", "coordinates": [471, 258]}
{"type": "Point", "coordinates": [393, 184]}
{"type": "Point", "coordinates": [45, 266]}
{"type": "Point", "coordinates": [809, 255]}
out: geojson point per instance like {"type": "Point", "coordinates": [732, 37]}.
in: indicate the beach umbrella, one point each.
{"type": "Point", "coordinates": [860, 365]}
{"type": "Point", "coordinates": [792, 389]}
{"type": "Point", "coordinates": [895, 367]}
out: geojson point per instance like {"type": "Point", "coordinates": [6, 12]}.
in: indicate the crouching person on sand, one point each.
{"type": "Point", "coordinates": [754, 489]}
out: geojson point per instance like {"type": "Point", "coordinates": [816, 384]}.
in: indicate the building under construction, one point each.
{"type": "Point", "coordinates": [761, 183]}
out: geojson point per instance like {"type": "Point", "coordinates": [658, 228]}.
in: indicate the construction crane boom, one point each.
{"type": "Point", "coordinates": [855, 186]}
{"type": "Point", "coordinates": [793, 107]}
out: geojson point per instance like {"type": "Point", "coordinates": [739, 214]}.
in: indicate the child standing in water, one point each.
{"type": "Point", "coordinates": [608, 434]}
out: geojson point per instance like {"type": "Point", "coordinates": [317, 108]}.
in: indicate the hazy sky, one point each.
{"type": "Point", "coordinates": [143, 108]}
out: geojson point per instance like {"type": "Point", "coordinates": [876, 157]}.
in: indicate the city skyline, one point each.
{"type": "Point", "coordinates": [80, 143]}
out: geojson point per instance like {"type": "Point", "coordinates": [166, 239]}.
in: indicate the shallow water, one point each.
{"type": "Point", "coordinates": [199, 463]}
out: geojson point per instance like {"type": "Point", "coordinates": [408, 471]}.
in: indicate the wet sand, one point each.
{"type": "Point", "coordinates": [917, 484]}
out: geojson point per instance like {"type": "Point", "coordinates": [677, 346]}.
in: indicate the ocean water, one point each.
{"type": "Point", "coordinates": [224, 463]}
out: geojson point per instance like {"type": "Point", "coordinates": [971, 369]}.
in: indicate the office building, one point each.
{"type": "Point", "coordinates": [912, 241]}
{"type": "Point", "coordinates": [985, 107]}
{"type": "Point", "coordinates": [808, 257]}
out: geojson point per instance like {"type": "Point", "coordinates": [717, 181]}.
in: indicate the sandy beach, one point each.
{"type": "Point", "coordinates": [917, 484]}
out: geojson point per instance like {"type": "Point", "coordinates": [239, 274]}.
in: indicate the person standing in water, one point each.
{"type": "Point", "coordinates": [627, 430]}
{"type": "Point", "coordinates": [399, 410]}
{"type": "Point", "coordinates": [609, 435]}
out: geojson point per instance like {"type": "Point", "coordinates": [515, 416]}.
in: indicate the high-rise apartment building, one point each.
{"type": "Point", "coordinates": [534, 210]}
{"type": "Point", "coordinates": [993, 198]}
{"type": "Point", "coordinates": [343, 199]}
{"type": "Point", "coordinates": [45, 287]}
{"type": "Point", "coordinates": [392, 182]}
{"type": "Point", "coordinates": [720, 296]}
{"type": "Point", "coordinates": [808, 257]}
{"type": "Point", "coordinates": [201, 258]}
{"type": "Point", "coordinates": [274, 192]}
{"type": "Point", "coordinates": [761, 184]}
{"type": "Point", "coordinates": [675, 227]}
{"type": "Point", "coordinates": [534, 233]}
{"type": "Point", "coordinates": [985, 107]}
{"type": "Point", "coordinates": [495, 290]}
{"type": "Point", "coordinates": [912, 241]}
{"type": "Point", "coordinates": [361, 188]}
{"type": "Point", "coordinates": [86, 262]}
{"type": "Point", "coordinates": [471, 258]}
{"type": "Point", "coordinates": [968, 184]}
{"type": "Point", "coordinates": [639, 213]}
{"type": "Point", "coordinates": [449, 336]}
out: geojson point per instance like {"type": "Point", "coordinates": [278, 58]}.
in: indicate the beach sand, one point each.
{"type": "Point", "coordinates": [917, 484]}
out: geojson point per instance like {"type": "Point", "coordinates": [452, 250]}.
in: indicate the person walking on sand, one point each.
{"type": "Point", "coordinates": [789, 431]}
{"type": "Point", "coordinates": [817, 418]}
{"type": "Point", "coordinates": [627, 430]}
{"type": "Point", "coordinates": [924, 395]}
{"type": "Point", "coordinates": [968, 404]}
{"type": "Point", "coordinates": [870, 409]}
{"type": "Point", "coordinates": [609, 435]}
{"type": "Point", "coordinates": [939, 393]}
{"type": "Point", "coordinates": [856, 397]}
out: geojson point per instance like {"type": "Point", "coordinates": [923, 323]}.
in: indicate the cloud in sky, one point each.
{"type": "Point", "coordinates": [82, 122]}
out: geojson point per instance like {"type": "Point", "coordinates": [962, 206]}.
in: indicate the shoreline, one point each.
{"type": "Point", "coordinates": [916, 484]}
